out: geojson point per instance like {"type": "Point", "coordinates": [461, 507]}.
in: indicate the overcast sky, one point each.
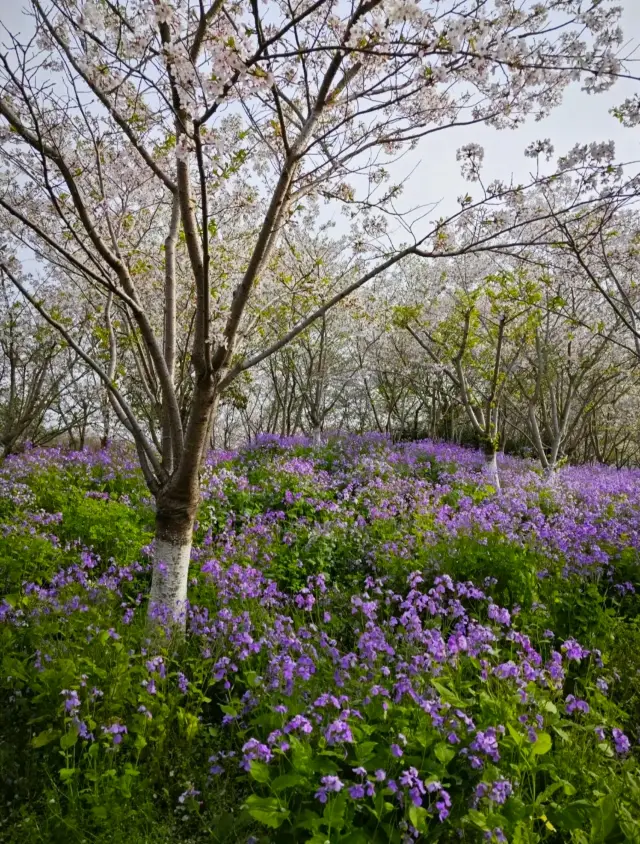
{"type": "Point", "coordinates": [435, 174]}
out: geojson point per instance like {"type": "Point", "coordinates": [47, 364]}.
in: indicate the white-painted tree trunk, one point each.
{"type": "Point", "coordinates": [491, 470]}
{"type": "Point", "coordinates": [170, 580]}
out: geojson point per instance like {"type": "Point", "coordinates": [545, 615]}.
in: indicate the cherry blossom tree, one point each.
{"type": "Point", "coordinates": [155, 155]}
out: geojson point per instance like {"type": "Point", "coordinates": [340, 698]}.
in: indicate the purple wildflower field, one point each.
{"type": "Point", "coordinates": [379, 647]}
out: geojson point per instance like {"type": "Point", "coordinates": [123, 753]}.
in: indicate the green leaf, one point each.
{"type": "Point", "coordinates": [307, 820]}
{"type": "Point", "coordinates": [444, 754]}
{"type": "Point", "coordinates": [301, 756]}
{"type": "Point", "coordinates": [66, 773]}
{"type": "Point", "coordinates": [358, 836]}
{"type": "Point", "coordinates": [603, 824]}
{"type": "Point", "coordinates": [140, 743]}
{"type": "Point", "coordinates": [68, 740]}
{"type": "Point", "coordinates": [418, 817]}
{"type": "Point", "coordinates": [365, 750]}
{"type": "Point", "coordinates": [287, 781]}
{"type": "Point", "coordinates": [574, 816]}
{"type": "Point", "coordinates": [549, 792]}
{"type": "Point", "coordinates": [267, 811]}
{"type": "Point", "coordinates": [542, 744]}
{"type": "Point", "coordinates": [515, 735]}
{"type": "Point", "coordinates": [447, 694]}
{"type": "Point", "coordinates": [45, 737]}
{"type": "Point", "coordinates": [477, 819]}
{"type": "Point", "coordinates": [259, 771]}
{"type": "Point", "coordinates": [334, 811]}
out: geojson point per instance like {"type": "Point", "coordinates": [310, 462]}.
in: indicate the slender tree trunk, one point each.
{"type": "Point", "coordinates": [491, 465]}
{"type": "Point", "coordinates": [176, 508]}
{"type": "Point", "coordinates": [173, 539]}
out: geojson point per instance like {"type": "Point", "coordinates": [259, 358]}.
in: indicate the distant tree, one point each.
{"type": "Point", "coordinates": [37, 373]}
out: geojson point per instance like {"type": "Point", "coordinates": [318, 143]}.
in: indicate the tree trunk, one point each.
{"type": "Point", "coordinates": [491, 466]}
{"type": "Point", "coordinates": [172, 553]}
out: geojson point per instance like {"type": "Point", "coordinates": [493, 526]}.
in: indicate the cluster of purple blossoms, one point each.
{"type": "Point", "coordinates": [117, 731]}
{"type": "Point", "coordinates": [330, 784]}
{"type": "Point", "coordinates": [72, 701]}
{"type": "Point", "coordinates": [498, 791]}
{"type": "Point", "coordinates": [621, 742]}
{"type": "Point", "coordinates": [253, 749]}
{"type": "Point", "coordinates": [574, 704]}
{"type": "Point", "coordinates": [338, 732]}
{"type": "Point", "coordinates": [214, 761]}
{"type": "Point", "coordinates": [486, 742]}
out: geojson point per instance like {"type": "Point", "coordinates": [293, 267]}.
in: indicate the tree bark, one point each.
{"type": "Point", "coordinates": [175, 517]}
{"type": "Point", "coordinates": [491, 466]}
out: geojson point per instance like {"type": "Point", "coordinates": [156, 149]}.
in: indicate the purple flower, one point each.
{"type": "Point", "coordinates": [116, 730]}
{"type": "Point", "coordinates": [299, 722]}
{"type": "Point", "coordinates": [574, 650]}
{"type": "Point", "coordinates": [330, 784]}
{"type": "Point", "coordinates": [487, 742]}
{"type": "Point", "coordinates": [499, 614]}
{"type": "Point", "coordinates": [500, 791]}
{"type": "Point", "coordinates": [190, 792]}
{"type": "Point", "coordinates": [337, 732]}
{"type": "Point", "coordinates": [411, 780]}
{"type": "Point", "coordinates": [396, 750]}
{"type": "Point", "coordinates": [574, 704]}
{"type": "Point", "coordinates": [82, 729]}
{"type": "Point", "coordinates": [443, 804]}
{"type": "Point", "coordinates": [497, 792]}
{"type": "Point", "coordinates": [304, 600]}
{"type": "Point", "coordinates": [622, 743]}
{"type": "Point", "coordinates": [72, 701]}
{"type": "Point", "coordinates": [356, 792]}
{"type": "Point", "coordinates": [183, 683]}
{"type": "Point", "coordinates": [253, 749]}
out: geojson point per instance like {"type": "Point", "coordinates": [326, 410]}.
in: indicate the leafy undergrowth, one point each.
{"type": "Point", "coordinates": [379, 649]}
